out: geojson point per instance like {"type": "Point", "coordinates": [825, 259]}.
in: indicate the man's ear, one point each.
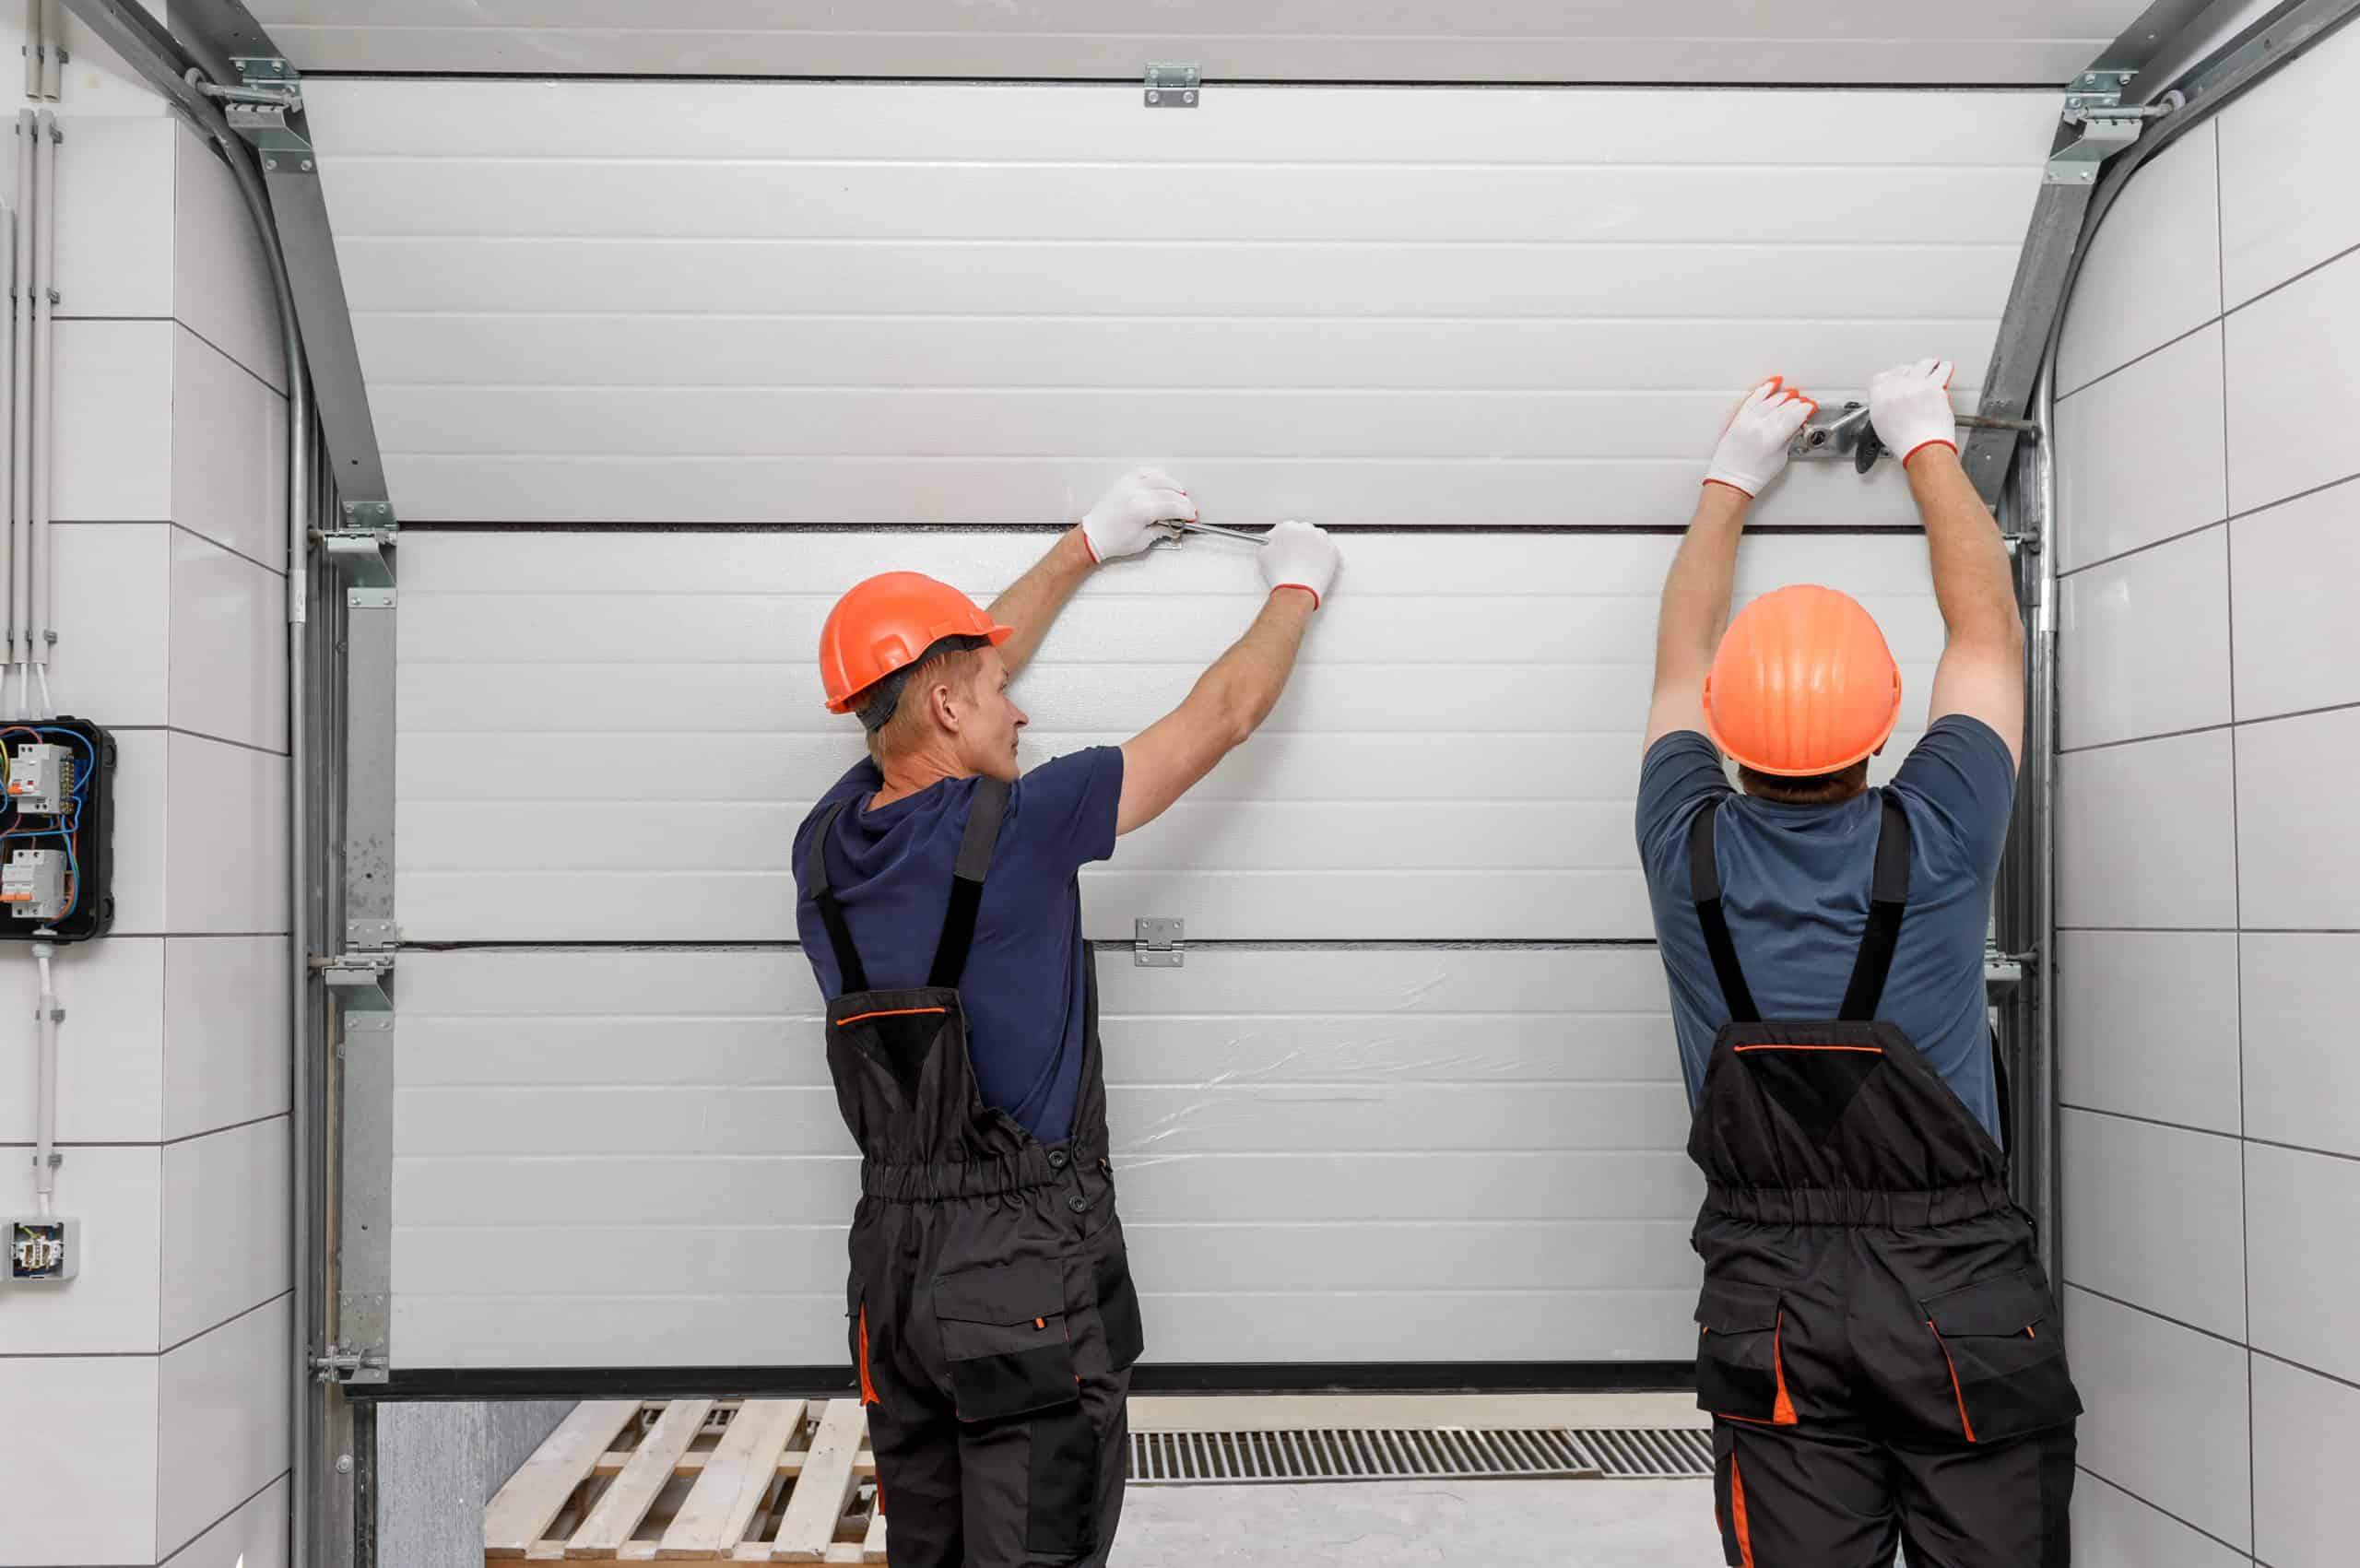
{"type": "Point", "coordinates": [943, 704]}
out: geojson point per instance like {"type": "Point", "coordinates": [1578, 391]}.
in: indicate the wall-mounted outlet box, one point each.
{"type": "Point", "coordinates": [42, 1251]}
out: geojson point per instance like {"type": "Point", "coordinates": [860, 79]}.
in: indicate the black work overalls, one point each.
{"type": "Point", "coordinates": [1875, 1333]}
{"type": "Point", "coordinates": [991, 1310]}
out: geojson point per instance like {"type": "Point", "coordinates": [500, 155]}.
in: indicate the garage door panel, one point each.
{"type": "Point", "coordinates": [640, 1141]}
{"type": "Point", "coordinates": [412, 350]}
{"type": "Point", "coordinates": [1471, 705]}
{"type": "Point", "coordinates": [1330, 126]}
{"type": "Point", "coordinates": [1495, 492]}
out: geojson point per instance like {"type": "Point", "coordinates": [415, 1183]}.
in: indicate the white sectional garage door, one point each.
{"type": "Point", "coordinates": [661, 368]}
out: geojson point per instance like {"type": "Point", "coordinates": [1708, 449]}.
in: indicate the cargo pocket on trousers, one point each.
{"type": "Point", "coordinates": [1738, 1371]}
{"type": "Point", "coordinates": [1004, 1337]}
{"type": "Point", "coordinates": [2004, 1352]}
{"type": "Point", "coordinates": [1118, 1308]}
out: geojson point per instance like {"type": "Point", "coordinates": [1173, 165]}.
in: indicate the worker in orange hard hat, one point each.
{"type": "Point", "coordinates": [990, 1313]}
{"type": "Point", "coordinates": [1875, 1335]}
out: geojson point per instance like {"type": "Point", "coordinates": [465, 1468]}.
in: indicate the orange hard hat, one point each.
{"type": "Point", "coordinates": [891, 622]}
{"type": "Point", "coordinates": [1803, 684]}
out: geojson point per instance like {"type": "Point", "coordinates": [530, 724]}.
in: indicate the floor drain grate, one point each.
{"type": "Point", "coordinates": [1649, 1453]}
{"type": "Point", "coordinates": [1358, 1453]}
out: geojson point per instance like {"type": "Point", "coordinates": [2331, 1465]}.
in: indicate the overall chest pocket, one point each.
{"type": "Point", "coordinates": [1003, 1338]}
{"type": "Point", "coordinates": [1739, 1372]}
{"type": "Point", "coordinates": [2004, 1351]}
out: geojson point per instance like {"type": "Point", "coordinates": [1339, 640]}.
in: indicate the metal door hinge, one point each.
{"type": "Point", "coordinates": [348, 1365]}
{"type": "Point", "coordinates": [1155, 942]}
{"type": "Point", "coordinates": [1172, 86]}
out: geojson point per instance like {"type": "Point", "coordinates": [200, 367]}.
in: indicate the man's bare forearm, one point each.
{"type": "Point", "coordinates": [1037, 598]}
{"type": "Point", "coordinates": [1696, 592]}
{"type": "Point", "coordinates": [1973, 582]}
{"type": "Point", "coordinates": [1244, 683]}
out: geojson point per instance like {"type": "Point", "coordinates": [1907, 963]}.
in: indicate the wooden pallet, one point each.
{"type": "Point", "coordinates": [695, 1480]}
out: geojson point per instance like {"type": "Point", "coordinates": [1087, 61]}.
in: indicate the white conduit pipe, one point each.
{"type": "Point", "coordinates": [53, 58]}
{"type": "Point", "coordinates": [45, 1137]}
{"type": "Point", "coordinates": [21, 362]}
{"type": "Point", "coordinates": [8, 443]}
{"type": "Point", "coordinates": [36, 47]}
{"type": "Point", "coordinates": [46, 138]}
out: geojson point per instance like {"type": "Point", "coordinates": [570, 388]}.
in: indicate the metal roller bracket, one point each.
{"type": "Point", "coordinates": [1847, 433]}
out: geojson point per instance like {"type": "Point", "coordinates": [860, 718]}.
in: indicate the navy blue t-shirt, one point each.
{"type": "Point", "coordinates": [1795, 888]}
{"type": "Point", "coordinates": [1023, 989]}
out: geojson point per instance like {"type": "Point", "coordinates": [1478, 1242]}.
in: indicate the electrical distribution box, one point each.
{"type": "Point", "coordinates": [57, 830]}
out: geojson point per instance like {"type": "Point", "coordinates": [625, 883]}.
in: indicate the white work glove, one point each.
{"type": "Point", "coordinates": [1910, 407]}
{"type": "Point", "coordinates": [1300, 555]}
{"type": "Point", "coordinates": [1753, 448]}
{"type": "Point", "coordinates": [1124, 521]}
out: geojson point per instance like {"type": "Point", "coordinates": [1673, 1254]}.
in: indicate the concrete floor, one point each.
{"type": "Point", "coordinates": [1464, 1523]}
{"type": "Point", "coordinates": [1575, 1523]}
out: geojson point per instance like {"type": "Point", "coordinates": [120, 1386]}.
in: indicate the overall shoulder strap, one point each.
{"type": "Point", "coordinates": [1888, 902]}
{"type": "Point", "coordinates": [1704, 887]}
{"type": "Point", "coordinates": [967, 885]}
{"type": "Point", "coordinates": [831, 914]}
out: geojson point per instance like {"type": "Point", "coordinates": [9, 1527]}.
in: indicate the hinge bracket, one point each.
{"type": "Point", "coordinates": [260, 110]}
{"type": "Point", "coordinates": [2095, 125]}
{"type": "Point", "coordinates": [1172, 86]}
{"type": "Point", "coordinates": [1155, 942]}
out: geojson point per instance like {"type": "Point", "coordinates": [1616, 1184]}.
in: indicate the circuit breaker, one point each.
{"type": "Point", "coordinates": [57, 830]}
{"type": "Point", "coordinates": [40, 778]}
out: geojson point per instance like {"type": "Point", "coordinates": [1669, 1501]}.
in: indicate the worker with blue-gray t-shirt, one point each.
{"type": "Point", "coordinates": [1875, 1338]}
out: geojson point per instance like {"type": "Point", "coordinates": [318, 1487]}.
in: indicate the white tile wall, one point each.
{"type": "Point", "coordinates": [225, 1226]}
{"type": "Point", "coordinates": [110, 606]}
{"type": "Point", "coordinates": [2294, 374]}
{"type": "Point", "coordinates": [223, 285]}
{"type": "Point", "coordinates": [2144, 835]}
{"type": "Point", "coordinates": [2303, 1212]}
{"type": "Point", "coordinates": [2286, 205]}
{"type": "Point", "coordinates": [2298, 640]}
{"type": "Point", "coordinates": [2170, 413]}
{"type": "Point", "coordinates": [2298, 858]}
{"type": "Point", "coordinates": [91, 1463]}
{"type": "Point", "coordinates": [110, 1308]}
{"type": "Point", "coordinates": [229, 677]}
{"type": "Point", "coordinates": [2192, 1269]}
{"type": "Point", "coordinates": [227, 830]}
{"type": "Point", "coordinates": [115, 174]}
{"type": "Point", "coordinates": [2165, 232]}
{"type": "Point", "coordinates": [2166, 1412]}
{"type": "Point", "coordinates": [229, 455]}
{"type": "Point", "coordinates": [2114, 1529]}
{"type": "Point", "coordinates": [221, 1421]}
{"type": "Point", "coordinates": [254, 1536]}
{"type": "Point", "coordinates": [2148, 1023]}
{"type": "Point", "coordinates": [2302, 1077]}
{"type": "Point", "coordinates": [110, 1052]}
{"type": "Point", "coordinates": [114, 410]}
{"type": "Point", "coordinates": [2302, 1453]}
{"type": "Point", "coordinates": [2248, 1031]}
{"type": "Point", "coordinates": [2143, 643]}
{"type": "Point", "coordinates": [139, 801]}
{"type": "Point", "coordinates": [225, 1034]}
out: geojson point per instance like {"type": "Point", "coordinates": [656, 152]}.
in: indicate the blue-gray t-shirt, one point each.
{"type": "Point", "coordinates": [1024, 989]}
{"type": "Point", "coordinates": [1794, 889]}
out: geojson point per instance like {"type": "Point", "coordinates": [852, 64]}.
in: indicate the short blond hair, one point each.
{"type": "Point", "coordinates": [957, 668]}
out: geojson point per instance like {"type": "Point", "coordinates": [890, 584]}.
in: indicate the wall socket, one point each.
{"type": "Point", "coordinates": [42, 1251]}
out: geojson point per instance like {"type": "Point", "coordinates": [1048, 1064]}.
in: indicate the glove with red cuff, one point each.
{"type": "Point", "coordinates": [1296, 555]}
{"type": "Point", "coordinates": [1753, 447]}
{"type": "Point", "coordinates": [1910, 407]}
